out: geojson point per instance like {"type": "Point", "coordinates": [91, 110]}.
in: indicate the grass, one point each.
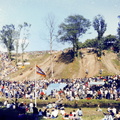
{"type": "Point", "coordinates": [116, 62]}
{"type": "Point", "coordinates": [33, 60]}
{"type": "Point", "coordinates": [88, 114]}
{"type": "Point", "coordinates": [70, 69]}
{"type": "Point", "coordinates": [72, 104]}
{"type": "Point", "coordinates": [88, 107]}
{"type": "Point", "coordinates": [67, 70]}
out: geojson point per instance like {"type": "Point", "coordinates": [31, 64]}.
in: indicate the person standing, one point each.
{"type": "Point", "coordinates": [35, 112]}
{"type": "Point", "coordinates": [31, 107]}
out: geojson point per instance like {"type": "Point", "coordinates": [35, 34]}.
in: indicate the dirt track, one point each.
{"type": "Point", "coordinates": [89, 62]}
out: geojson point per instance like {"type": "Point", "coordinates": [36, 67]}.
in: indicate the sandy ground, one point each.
{"type": "Point", "coordinates": [88, 63]}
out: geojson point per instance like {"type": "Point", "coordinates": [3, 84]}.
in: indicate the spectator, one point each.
{"type": "Point", "coordinates": [35, 112]}
{"type": "Point", "coordinates": [31, 107]}
{"type": "Point", "coordinates": [54, 113]}
{"type": "Point", "coordinates": [79, 112]}
{"type": "Point", "coordinates": [40, 113]}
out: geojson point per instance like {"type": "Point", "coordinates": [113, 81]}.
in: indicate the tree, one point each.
{"type": "Point", "coordinates": [109, 41]}
{"type": "Point", "coordinates": [100, 26]}
{"type": "Point", "coordinates": [118, 30]}
{"type": "Point", "coordinates": [72, 29]}
{"type": "Point", "coordinates": [51, 28]}
{"type": "Point", "coordinates": [6, 36]}
{"type": "Point", "coordinates": [17, 40]}
{"type": "Point", "coordinates": [90, 43]}
{"type": "Point", "coordinates": [118, 40]}
{"type": "Point", "coordinates": [24, 38]}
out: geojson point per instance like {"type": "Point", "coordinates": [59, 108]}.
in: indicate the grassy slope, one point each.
{"type": "Point", "coordinates": [75, 69]}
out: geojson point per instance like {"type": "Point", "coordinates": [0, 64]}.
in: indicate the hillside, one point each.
{"type": "Point", "coordinates": [65, 67]}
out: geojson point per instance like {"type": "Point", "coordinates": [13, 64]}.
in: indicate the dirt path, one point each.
{"type": "Point", "coordinates": [107, 60]}
{"type": "Point", "coordinates": [89, 63]}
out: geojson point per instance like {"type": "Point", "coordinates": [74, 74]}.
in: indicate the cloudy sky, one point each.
{"type": "Point", "coordinates": [35, 12]}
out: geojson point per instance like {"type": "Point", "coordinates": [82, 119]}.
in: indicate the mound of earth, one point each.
{"type": "Point", "coordinates": [56, 66]}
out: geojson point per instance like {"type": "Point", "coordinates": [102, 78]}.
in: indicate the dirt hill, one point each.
{"type": "Point", "coordinates": [64, 66]}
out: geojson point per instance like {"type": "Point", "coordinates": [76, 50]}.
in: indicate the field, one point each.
{"type": "Point", "coordinates": [88, 114]}
{"type": "Point", "coordinates": [88, 107]}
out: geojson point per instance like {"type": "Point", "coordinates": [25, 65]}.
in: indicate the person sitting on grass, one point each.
{"type": "Point", "coordinates": [66, 116]}
{"type": "Point", "coordinates": [48, 114]}
{"type": "Point", "coordinates": [62, 111]}
{"type": "Point", "coordinates": [75, 117]}
{"type": "Point", "coordinates": [71, 116]}
{"type": "Point", "coordinates": [49, 106]}
{"type": "Point", "coordinates": [45, 112]}
{"type": "Point", "coordinates": [40, 113]}
{"type": "Point", "coordinates": [98, 109]}
{"type": "Point", "coordinates": [5, 103]}
{"type": "Point", "coordinates": [79, 112]}
{"type": "Point", "coordinates": [108, 116]}
{"type": "Point", "coordinates": [54, 113]}
{"type": "Point", "coordinates": [117, 116]}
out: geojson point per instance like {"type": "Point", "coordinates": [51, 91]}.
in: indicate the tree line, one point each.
{"type": "Point", "coordinates": [73, 27]}
{"type": "Point", "coordinates": [14, 37]}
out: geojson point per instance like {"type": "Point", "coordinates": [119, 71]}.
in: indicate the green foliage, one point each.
{"type": "Point", "coordinates": [89, 43]}
{"type": "Point", "coordinates": [72, 28]}
{"type": "Point", "coordinates": [6, 36]}
{"type": "Point", "coordinates": [99, 25]}
{"type": "Point", "coordinates": [106, 43]}
{"type": "Point", "coordinates": [70, 69]}
{"type": "Point", "coordinates": [117, 46]}
{"type": "Point", "coordinates": [109, 42]}
{"type": "Point", "coordinates": [118, 30]}
{"type": "Point", "coordinates": [92, 103]}
{"type": "Point", "coordinates": [116, 62]}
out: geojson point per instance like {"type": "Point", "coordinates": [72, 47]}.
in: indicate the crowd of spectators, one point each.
{"type": "Point", "coordinates": [6, 66]}
{"type": "Point", "coordinates": [81, 89]}
{"type": "Point", "coordinates": [111, 114]}
{"type": "Point", "coordinates": [54, 110]}
{"type": "Point", "coordinates": [47, 112]}
{"type": "Point", "coordinates": [75, 89]}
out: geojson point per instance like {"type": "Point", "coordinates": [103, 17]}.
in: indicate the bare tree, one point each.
{"type": "Point", "coordinates": [16, 41]}
{"type": "Point", "coordinates": [24, 38]}
{"type": "Point", "coordinates": [50, 23]}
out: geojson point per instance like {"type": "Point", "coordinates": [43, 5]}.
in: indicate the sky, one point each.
{"type": "Point", "coordinates": [36, 12]}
